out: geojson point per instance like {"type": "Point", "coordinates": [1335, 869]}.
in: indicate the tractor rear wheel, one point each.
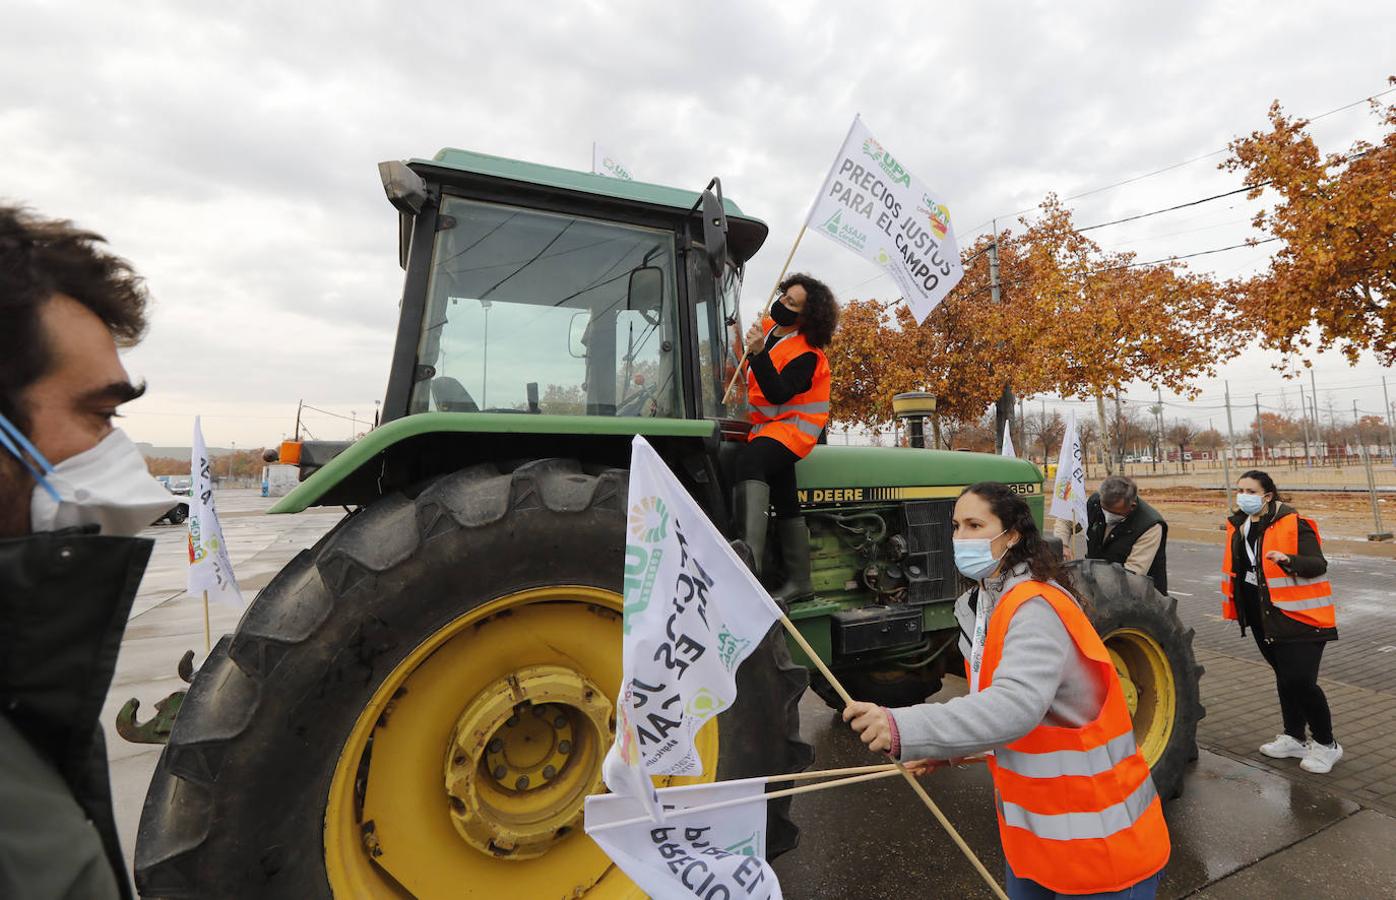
{"type": "Point", "coordinates": [1153, 655]}
{"type": "Point", "coordinates": [418, 706]}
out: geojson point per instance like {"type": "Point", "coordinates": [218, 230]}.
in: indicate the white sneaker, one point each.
{"type": "Point", "coordinates": [1286, 747]}
{"type": "Point", "coordinates": [1321, 757]}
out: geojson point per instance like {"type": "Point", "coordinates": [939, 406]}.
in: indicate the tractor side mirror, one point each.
{"type": "Point", "coordinates": [578, 334]}
{"type": "Point", "coordinates": [646, 292]}
{"type": "Point", "coordinates": [715, 228]}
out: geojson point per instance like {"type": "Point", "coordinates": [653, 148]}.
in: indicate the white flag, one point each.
{"type": "Point", "coordinates": [876, 208]}
{"type": "Point", "coordinates": [210, 569]}
{"type": "Point", "coordinates": [717, 853]}
{"type": "Point", "coordinates": [1008, 441]}
{"type": "Point", "coordinates": [692, 613]}
{"type": "Point", "coordinates": [604, 162]}
{"type": "Point", "coordinates": [1069, 492]}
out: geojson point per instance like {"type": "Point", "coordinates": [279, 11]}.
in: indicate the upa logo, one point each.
{"type": "Point", "coordinates": [730, 647]}
{"type": "Point", "coordinates": [616, 169]}
{"type": "Point", "coordinates": [884, 159]}
{"type": "Point", "coordinates": [938, 215]}
{"type": "Point", "coordinates": [649, 520]}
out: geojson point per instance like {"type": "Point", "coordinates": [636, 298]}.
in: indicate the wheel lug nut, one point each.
{"type": "Point", "coordinates": [496, 745]}
{"type": "Point", "coordinates": [522, 783]}
{"type": "Point", "coordinates": [564, 747]}
{"type": "Point", "coordinates": [499, 773]}
{"type": "Point", "coordinates": [560, 722]}
{"type": "Point", "coordinates": [549, 773]}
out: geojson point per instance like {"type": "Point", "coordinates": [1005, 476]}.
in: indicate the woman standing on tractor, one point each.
{"type": "Point", "coordinates": [788, 389]}
{"type": "Point", "coordinates": [1077, 808]}
{"type": "Point", "coordinates": [1273, 580]}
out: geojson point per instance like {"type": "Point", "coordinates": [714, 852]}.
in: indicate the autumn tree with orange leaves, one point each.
{"type": "Point", "coordinates": [1335, 217]}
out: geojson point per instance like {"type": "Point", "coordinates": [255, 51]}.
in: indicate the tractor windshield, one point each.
{"type": "Point", "coordinates": [530, 311]}
{"type": "Point", "coordinates": [719, 338]}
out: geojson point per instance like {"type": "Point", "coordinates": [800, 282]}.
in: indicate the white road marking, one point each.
{"type": "Point", "coordinates": [1180, 594]}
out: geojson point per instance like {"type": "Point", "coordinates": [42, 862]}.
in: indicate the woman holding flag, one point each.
{"type": "Point", "coordinates": [1077, 809]}
{"type": "Point", "coordinates": [788, 384]}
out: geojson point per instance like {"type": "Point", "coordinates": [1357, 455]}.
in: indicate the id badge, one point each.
{"type": "Point", "coordinates": [1250, 578]}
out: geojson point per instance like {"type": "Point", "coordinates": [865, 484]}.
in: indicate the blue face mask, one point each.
{"type": "Point", "coordinates": [1250, 504]}
{"type": "Point", "coordinates": [975, 558]}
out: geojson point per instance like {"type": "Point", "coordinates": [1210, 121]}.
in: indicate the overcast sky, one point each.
{"type": "Point", "coordinates": [229, 151]}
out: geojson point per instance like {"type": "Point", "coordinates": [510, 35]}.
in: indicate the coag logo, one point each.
{"type": "Point", "coordinates": [938, 214]}
{"type": "Point", "coordinates": [649, 520]}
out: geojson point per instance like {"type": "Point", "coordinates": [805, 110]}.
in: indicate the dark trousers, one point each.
{"type": "Point", "coordinates": [766, 459]}
{"type": "Point", "coordinates": [1296, 663]}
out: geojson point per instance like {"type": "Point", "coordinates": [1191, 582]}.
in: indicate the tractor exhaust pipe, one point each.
{"type": "Point", "coordinates": [913, 407]}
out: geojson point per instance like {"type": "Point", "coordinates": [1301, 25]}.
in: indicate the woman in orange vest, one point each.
{"type": "Point", "coordinates": [1078, 813]}
{"type": "Point", "coordinates": [1274, 581]}
{"type": "Point", "coordinates": [788, 391]}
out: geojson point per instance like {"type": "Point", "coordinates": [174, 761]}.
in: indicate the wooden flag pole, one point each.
{"type": "Point", "coordinates": [208, 633]}
{"type": "Point", "coordinates": [901, 769]}
{"type": "Point", "coordinates": [769, 300]}
{"type": "Point", "coordinates": [773, 795]}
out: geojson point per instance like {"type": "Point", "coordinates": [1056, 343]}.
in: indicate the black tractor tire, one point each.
{"type": "Point", "coordinates": [237, 804]}
{"type": "Point", "coordinates": [178, 515]}
{"type": "Point", "coordinates": [1122, 601]}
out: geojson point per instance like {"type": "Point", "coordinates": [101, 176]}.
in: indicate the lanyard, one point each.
{"type": "Point", "coordinates": [976, 647]}
{"type": "Point", "coordinates": [1251, 577]}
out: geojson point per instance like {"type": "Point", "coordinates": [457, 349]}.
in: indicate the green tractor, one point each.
{"type": "Point", "coordinates": [419, 704]}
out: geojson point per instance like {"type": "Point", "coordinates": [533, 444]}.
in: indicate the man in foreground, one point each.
{"type": "Point", "coordinates": [74, 492]}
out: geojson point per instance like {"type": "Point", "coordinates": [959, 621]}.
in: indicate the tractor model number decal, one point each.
{"type": "Point", "coordinates": [822, 496]}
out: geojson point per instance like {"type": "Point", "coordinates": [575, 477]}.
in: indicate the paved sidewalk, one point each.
{"type": "Point", "coordinates": [1243, 713]}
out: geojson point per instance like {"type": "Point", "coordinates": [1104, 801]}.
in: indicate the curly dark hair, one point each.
{"type": "Point", "coordinates": [1032, 548]}
{"type": "Point", "coordinates": [821, 316]}
{"type": "Point", "coordinates": [40, 258]}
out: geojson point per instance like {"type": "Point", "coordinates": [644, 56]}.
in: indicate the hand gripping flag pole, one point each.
{"type": "Point", "coordinates": [910, 778]}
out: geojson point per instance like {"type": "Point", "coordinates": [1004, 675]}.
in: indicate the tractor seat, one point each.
{"type": "Point", "coordinates": [450, 395]}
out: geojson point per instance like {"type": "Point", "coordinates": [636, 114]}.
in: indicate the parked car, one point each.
{"type": "Point", "coordinates": [179, 485]}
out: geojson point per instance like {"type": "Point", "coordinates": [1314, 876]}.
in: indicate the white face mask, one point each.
{"type": "Point", "coordinates": [1112, 518]}
{"type": "Point", "coordinates": [108, 486]}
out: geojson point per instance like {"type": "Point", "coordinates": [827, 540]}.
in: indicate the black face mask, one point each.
{"type": "Point", "coordinates": [784, 316]}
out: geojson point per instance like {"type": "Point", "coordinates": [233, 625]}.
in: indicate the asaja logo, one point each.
{"type": "Point", "coordinates": [705, 704]}
{"type": "Point", "coordinates": [649, 520]}
{"type": "Point", "coordinates": [845, 233]}
{"type": "Point", "coordinates": [832, 226]}
{"type": "Point", "coordinates": [730, 647]}
{"type": "Point", "coordinates": [889, 165]}
{"type": "Point", "coordinates": [747, 846]}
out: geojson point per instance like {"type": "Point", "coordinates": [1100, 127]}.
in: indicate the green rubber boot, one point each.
{"type": "Point", "coordinates": [752, 506]}
{"type": "Point", "coordinates": [793, 535]}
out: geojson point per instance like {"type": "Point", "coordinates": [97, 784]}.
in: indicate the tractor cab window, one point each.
{"type": "Point", "coordinates": [533, 312]}
{"type": "Point", "coordinates": [719, 337]}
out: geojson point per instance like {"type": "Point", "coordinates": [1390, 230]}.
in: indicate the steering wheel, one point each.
{"type": "Point", "coordinates": [635, 404]}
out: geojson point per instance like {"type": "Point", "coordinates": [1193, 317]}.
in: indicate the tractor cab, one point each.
{"type": "Point", "coordinates": [540, 291]}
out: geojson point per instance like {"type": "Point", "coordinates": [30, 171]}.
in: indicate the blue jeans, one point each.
{"type": "Point", "coordinates": [1023, 889]}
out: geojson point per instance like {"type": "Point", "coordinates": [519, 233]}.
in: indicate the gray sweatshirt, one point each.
{"type": "Point", "coordinates": [1042, 678]}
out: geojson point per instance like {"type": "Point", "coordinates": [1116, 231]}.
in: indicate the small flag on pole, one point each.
{"type": "Point", "coordinates": [692, 613]}
{"type": "Point", "coordinates": [1069, 492]}
{"type": "Point", "coordinates": [872, 205]}
{"type": "Point", "coordinates": [604, 162]}
{"type": "Point", "coordinates": [712, 853]}
{"type": "Point", "coordinates": [210, 569]}
{"type": "Point", "coordinates": [1008, 440]}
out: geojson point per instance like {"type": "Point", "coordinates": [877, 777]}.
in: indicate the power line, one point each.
{"type": "Point", "coordinates": [1174, 208]}
{"type": "Point", "coordinates": [1177, 165]}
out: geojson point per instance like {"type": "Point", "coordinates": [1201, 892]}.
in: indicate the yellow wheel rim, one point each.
{"type": "Point", "coordinates": [1147, 681]}
{"type": "Point", "coordinates": [465, 773]}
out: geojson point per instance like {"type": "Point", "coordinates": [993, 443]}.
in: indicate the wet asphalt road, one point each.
{"type": "Point", "coordinates": [877, 841]}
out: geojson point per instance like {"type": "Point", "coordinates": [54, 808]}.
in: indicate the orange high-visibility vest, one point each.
{"type": "Point", "coordinates": [796, 423]}
{"type": "Point", "coordinates": [1307, 600]}
{"type": "Point", "coordinates": [1077, 808]}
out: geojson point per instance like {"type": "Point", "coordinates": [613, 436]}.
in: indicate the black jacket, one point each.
{"type": "Point", "coordinates": [1309, 562]}
{"type": "Point", "coordinates": [64, 602]}
{"type": "Point", "coordinates": [1117, 546]}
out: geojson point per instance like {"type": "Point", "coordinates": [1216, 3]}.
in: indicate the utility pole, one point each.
{"type": "Point", "coordinates": [1158, 417]}
{"type": "Point", "coordinates": [1119, 434]}
{"type": "Point", "coordinates": [1304, 424]}
{"type": "Point", "coordinates": [1003, 408]}
{"type": "Point", "coordinates": [1230, 445]}
{"type": "Point", "coordinates": [1313, 401]}
{"type": "Point", "coordinates": [1260, 429]}
{"type": "Point", "coordinates": [1390, 427]}
{"type": "Point", "coordinates": [1380, 533]}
